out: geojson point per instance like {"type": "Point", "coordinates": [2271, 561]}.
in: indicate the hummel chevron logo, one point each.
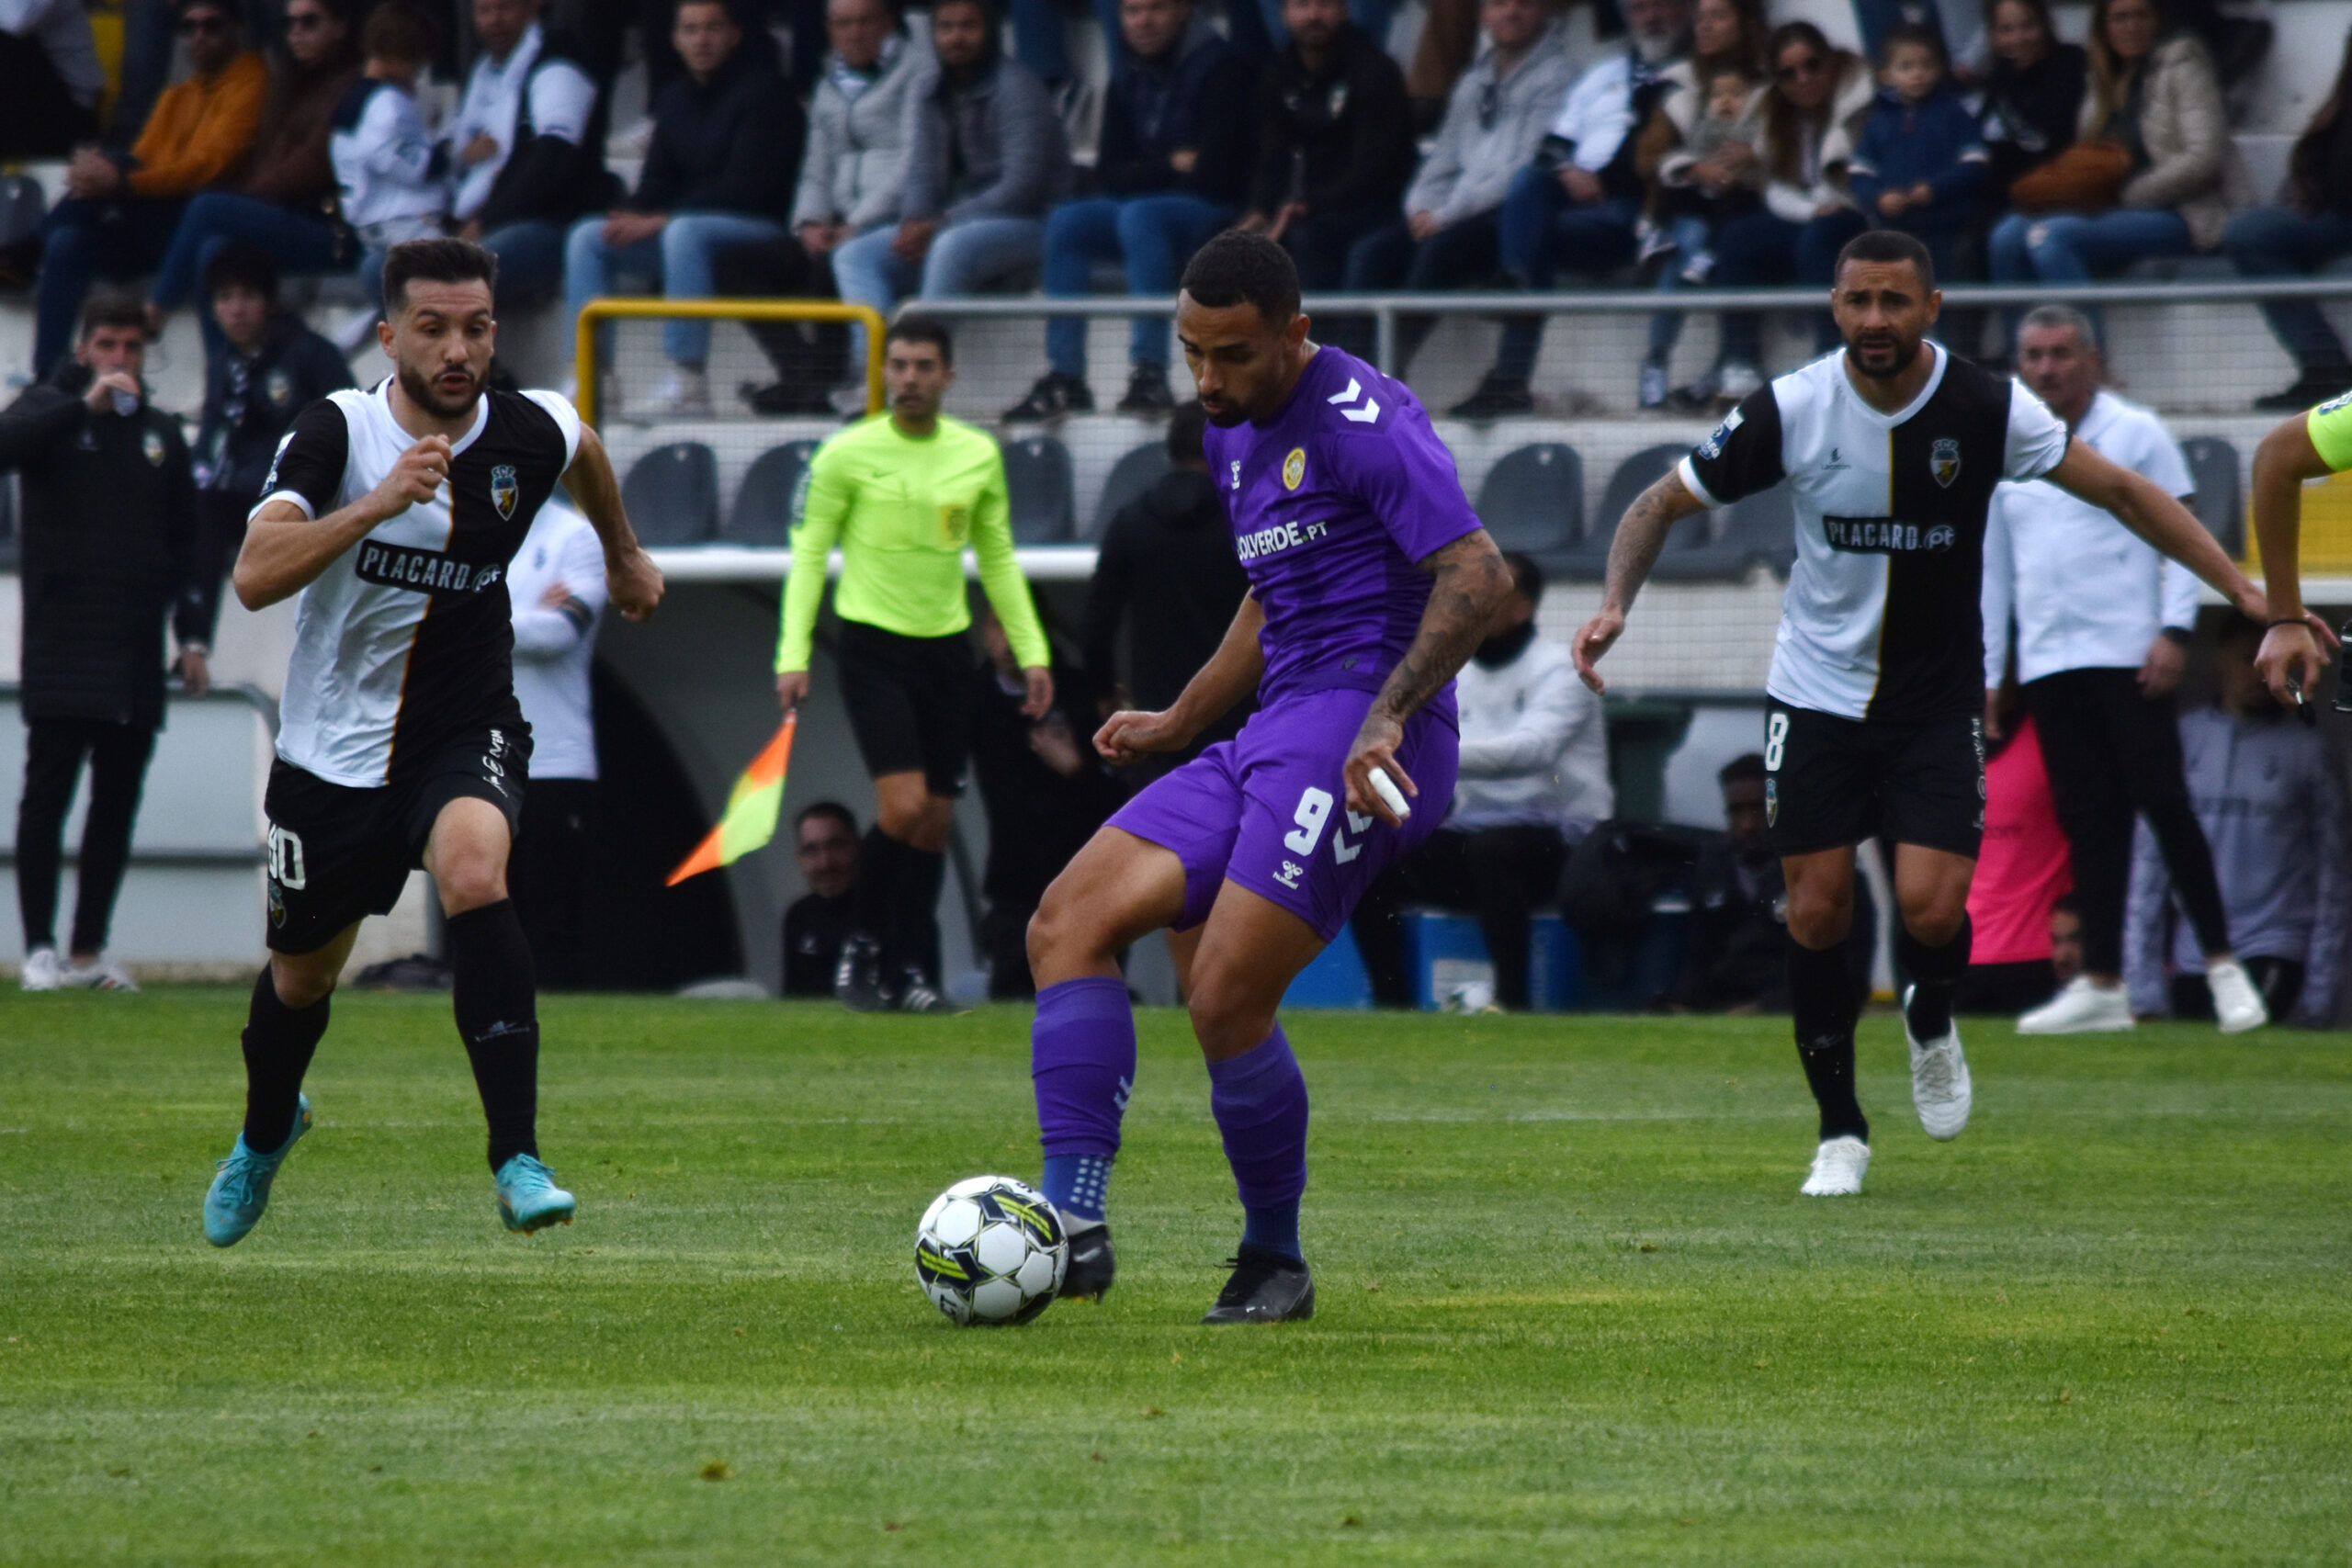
{"type": "Point", "coordinates": [1365, 415]}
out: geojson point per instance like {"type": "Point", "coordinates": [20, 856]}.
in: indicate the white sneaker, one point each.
{"type": "Point", "coordinates": [1939, 1084]}
{"type": "Point", "coordinates": [40, 973]}
{"type": "Point", "coordinates": [1736, 380]}
{"type": "Point", "coordinates": [683, 393]}
{"type": "Point", "coordinates": [1838, 1168]}
{"type": "Point", "coordinates": [2081, 1008]}
{"type": "Point", "coordinates": [2236, 1001]}
{"type": "Point", "coordinates": [103, 975]}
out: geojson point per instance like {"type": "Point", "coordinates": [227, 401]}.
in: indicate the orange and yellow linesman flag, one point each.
{"type": "Point", "coordinates": [754, 806]}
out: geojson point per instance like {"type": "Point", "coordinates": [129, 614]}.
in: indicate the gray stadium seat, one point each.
{"type": "Point", "coordinates": [671, 494]}
{"type": "Point", "coordinates": [762, 512]}
{"type": "Point", "coordinates": [1038, 480]}
{"type": "Point", "coordinates": [1130, 477]}
{"type": "Point", "coordinates": [1587, 559]}
{"type": "Point", "coordinates": [1533, 499]}
{"type": "Point", "coordinates": [1757, 531]}
{"type": "Point", "coordinates": [2219, 502]}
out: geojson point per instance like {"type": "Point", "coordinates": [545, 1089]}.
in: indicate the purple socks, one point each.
{"type": "Point", "coordinates": [1260, 1102]}
{"type": "Point", "coordinates": [1082, 1061]}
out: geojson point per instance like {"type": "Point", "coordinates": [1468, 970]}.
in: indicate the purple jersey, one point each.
{"type": "Point", "coordinates": [1333, 503]}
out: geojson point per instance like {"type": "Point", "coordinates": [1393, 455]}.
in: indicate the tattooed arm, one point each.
{"type": "Point", "coordinates": [1640, 535]}
{"type": "Point", "coordinates": [1468, 584]}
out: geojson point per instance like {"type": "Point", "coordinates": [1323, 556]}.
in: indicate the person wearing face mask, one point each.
{"type": "Point", "coordinates": [1534, 779]}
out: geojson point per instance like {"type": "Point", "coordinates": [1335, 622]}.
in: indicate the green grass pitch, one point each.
{"type": "Point", "coordinates": [1572, 1309]}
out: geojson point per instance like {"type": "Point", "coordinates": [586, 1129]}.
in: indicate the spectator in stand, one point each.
{"type": "Point", "coordinates": [1044, 790]}
{"type": "Point", "coordinates": [2271, 795]}
{"type": "Point", "coordinates": [526, 148]}
{"type": "Point", "coordinates": [109, 553]}
{"type": "Point", "coordinates": [1534, 780]}
{"type": "Point", "coordinates": [1696, 156]}
{"type": "Point", "coordinates": [1818, 98]}
{"type": "Point", "coordinates": [286, 197]}
{"type": "Point", "coordinates": [1448, 235]}
{"type": "Point", "coordinates": [1573, 207]}
{"type": "Point", "coordinates": [1172, 169]}
{"type": "Point", "coordinates": [726, 139]}
{"type": "Point", "coordinates": [266, 368]}
{"type": "Point", "coordinates": [2021, 876]}
{"type": "Point", "coordinates": [850, 183]}
{"type": "Point", "coordinates": [557, 585]}
{"type": "Point", "coordinates": [2098, 668]}
{"type": "Point", "coordinates": [51, 78]}
{"type": "Point", "coordinates": [1919, 162]}
{"type": "Point", "coordinates": [2153, 172]}
{"type": "Point", "coordinates": [392, 177]}
{"type": "Point", "coordinates": [1448, 42]}
{"type": "Point", "coordinates": [1165, 569]}
{"type": "Point", "coordinates": [2312, 228]}
{"type": "Point", "coordinates": [824, 845]}
{"type": "Point", "coordinates": [2033, 93]}
{"type": "Point", "coordinates": [1335, 141]}
{"type": "Point", "coordinates": [120, 207]}
{"type": "Point", "coordinates": [988, 157]}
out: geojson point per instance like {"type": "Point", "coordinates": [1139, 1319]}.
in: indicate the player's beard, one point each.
{"type": "Point", "coordinates": [1904, 353]}
{"type": "Point", "coordinates": [425, 394]}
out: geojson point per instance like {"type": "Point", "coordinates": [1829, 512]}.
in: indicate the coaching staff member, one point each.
{"type": "Point", "coordinates": [904, 493]}
{"type": "Point", "coordinates": [110, 549]}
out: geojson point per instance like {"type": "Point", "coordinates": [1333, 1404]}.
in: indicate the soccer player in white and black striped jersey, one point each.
{"type": "Point", "coordinates": [1890, 449]}
{"type": "Point", "coordinates": [393, 513]}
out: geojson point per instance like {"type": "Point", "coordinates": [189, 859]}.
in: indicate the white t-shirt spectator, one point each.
{"type": "Point", "coordinates": [561, 99]}
{"type": "Point", "coordinates": [386, 164]}
{"type": "Point", "coordinates": [554, 644]}
{"type": "Point", "coordinates": [1534, 749]}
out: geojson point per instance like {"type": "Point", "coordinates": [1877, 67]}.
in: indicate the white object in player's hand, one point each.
{"type": "Point", "coordinates": [1385, 787]}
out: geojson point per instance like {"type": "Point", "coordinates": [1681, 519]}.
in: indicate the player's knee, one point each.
{"type": "Point", "coordinates": [1060, 936]}
{"type": "Point", "coordinates": [1819, 918]}
{"type": "Point", "coordinates": [1227, 1019]}
{"type": "Point", "coordinates": [469, 882]}
{"type": "Point", "coordinates": [1933, 916]}
{"type": "Point", "coordinates": [301, 980]}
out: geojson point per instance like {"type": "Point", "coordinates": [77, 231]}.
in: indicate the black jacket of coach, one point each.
{"type": "Point", "coordinates": [107, 520]}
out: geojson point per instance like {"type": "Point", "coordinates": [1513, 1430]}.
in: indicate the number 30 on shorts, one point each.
{"type": "Point", "coordinates": [1776, 741]}
{"type": "Point", "coordinates": [285, 866]}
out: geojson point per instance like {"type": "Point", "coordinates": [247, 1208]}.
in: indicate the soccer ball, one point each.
{"type": "Point", "coordinates": [990, 1251]}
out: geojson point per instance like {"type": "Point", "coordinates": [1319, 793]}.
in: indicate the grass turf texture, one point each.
{"type": "Point", "coordinates": [1572, 1307]}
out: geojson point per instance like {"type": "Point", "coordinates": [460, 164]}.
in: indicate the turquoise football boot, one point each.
{"type": "Point", "coordinates": [233, 1203]}
{"type": "Point", "coordinates": [528, 1199]}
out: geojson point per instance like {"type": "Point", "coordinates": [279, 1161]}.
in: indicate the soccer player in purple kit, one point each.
{"type": "Point", "coordinates": [1371, 583]}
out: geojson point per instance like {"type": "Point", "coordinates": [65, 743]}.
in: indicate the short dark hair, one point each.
{"type": "Point", "coordinates": [232, 9]}
{"type": "Point", "coordinates": [242, 264]}
{"type": "Point", "coordinates": [2065, 905]}
{"type": "Point", "coordinates": [833, 809]}
{"type": "Point", "coordinates": [1526, 576]}
{"type": "Point", "coordinates": [115, 308]}
{"type": "Point", "coordinates": [1185, 428]}
{"type": "Point", "coordinates": [1887, 245]}
{"type": "Point", "coordinates": [1241, 268]}
{"type": "Point", "coordinates": [1918, 34]}
{"type": "Point", "coordinates": [1747, 769]}
{"type": "Point", "coordinates": [397, 32]}
{"type": "Point", "coordinates": [916, 327]}
{"type": "Point", "coordinates": [435, 261]}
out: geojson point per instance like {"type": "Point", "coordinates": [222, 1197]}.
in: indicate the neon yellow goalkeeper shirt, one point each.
{"type": "Point", "coordinates": [2331, 432]}
{"type": "Point", "coordinates": [902, 511]}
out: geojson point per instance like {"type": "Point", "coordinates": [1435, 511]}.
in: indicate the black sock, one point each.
{"type": "Point", "coordinates": [878, 882]}
{"type": "Point", "coordinates": [916, 914]}
{"type": "Point", "coordinates": [1935, 978]}
{"type": "Point", "coordinates": [1821, 994]}
{"type": "Point", "coordinates": [278, 1042]}
{"type": "Point", "coordinates": [496, 996]}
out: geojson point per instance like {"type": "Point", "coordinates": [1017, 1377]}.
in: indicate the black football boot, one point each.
{"type": "Point", "coordinates": [1266, 1287]}
{"type": "Point", "coordinates": [1093, 1265]}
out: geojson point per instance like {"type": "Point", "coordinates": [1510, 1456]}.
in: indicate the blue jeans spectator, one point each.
{"type": "Point", "coordinates": [2279, 242]}
{"type": "Point", "coordinates": [1153, 235]}
{"type": "Point", "coordinates": [678, 259]}
{"type": "Point", "coordinates": [1691, 235]}
{"type": "Point", "coordinates": [1389, 260]}
{"type": "Point", "coordinates": [530, 260]}
{"type": "Point", "coordinates": [1761, 250]}
{"type": "Point", "coordinates": [2070, 248]}
{"type": "Point", "coordinates": [85, 241]}
{"type": "Point", "coordinates": [964, 258]}
{"type": "Point", "coordinates": [300, 242]}
{"type": "Point", "coordinates": [1544, 231]}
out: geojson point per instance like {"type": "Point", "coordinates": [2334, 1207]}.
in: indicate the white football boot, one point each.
{"type": "Point", "coordinates": [2081, 1008]}
{"type": "Point", "coordinates": [101, 974]}
{"type": "Point", "coordinates": [1838, 1167]}
{"type": "Point", "coordinates": [2236, 1003]}
{"type": "Point", "coordinates": [41, 970]}
{"type": "Point", "coordinates": [1939, 1085]}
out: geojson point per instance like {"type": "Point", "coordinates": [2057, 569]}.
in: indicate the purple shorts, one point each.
{"type": "Point", "coordinates": [1268, 809]}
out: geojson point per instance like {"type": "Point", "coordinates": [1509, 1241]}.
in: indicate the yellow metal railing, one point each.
{"type": "Point", "coordinates": [644, 310]}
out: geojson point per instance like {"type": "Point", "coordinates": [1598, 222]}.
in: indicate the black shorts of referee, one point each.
{"type": "Point", "coordinates": [909, 703]}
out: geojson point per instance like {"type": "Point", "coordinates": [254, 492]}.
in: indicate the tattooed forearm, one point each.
{"type": "Point", "coordinates": [1468, 583]}
{"type": "Point", "coordinates": [1640, 535]}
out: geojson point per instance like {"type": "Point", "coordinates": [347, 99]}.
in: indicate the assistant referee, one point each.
{"type": "Point", "coordinates": [904, 494]}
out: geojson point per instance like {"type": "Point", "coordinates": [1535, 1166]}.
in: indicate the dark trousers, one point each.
{"type": "Point", "coordinates": [2005, 990]}
{"type": "Point", "coordinates": [2114, 754]}
{"type": "Point", "coordinates": [548, 878]}
{"type": "Point", "coordinates": [1763, 249]}
{"type": "Point", "coordinates": [39, 116]}
{"type": "Point", "coordinates": [1460, 255]}
{"type": "Point", "coordinates": [54, 749]}
{"type": "Point", "coordinates": [810, 357]}
{"type": "Point", "coordinates": [1498, 873]}
{"type": "Point", "coordinates": [81, 243]}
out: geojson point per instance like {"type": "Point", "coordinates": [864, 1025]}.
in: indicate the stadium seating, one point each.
{"type": "Point", "coordinates": [763, 512]}
{"type": "Point", "coordinates": [671, 494]}
{"type": "Point", "coordinates": [1533, 499]}
{"type": "Point", "coordinates": [1038, 482]}
{"type": "Point", "coordinates": [1757, 531]}
{"type": "Point", "coordinates": [1588, 561]}
{"type": "Point", "coordinates": [2219, 502]}
{"type": "Point", "coordinates": [1130, 477]}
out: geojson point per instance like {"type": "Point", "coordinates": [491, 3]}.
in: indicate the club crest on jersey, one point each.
{"type": "Point", "coordinates": [1294, 468]}
{"type": "Point", "coordinates": [2336, 404]}
{"type": "Point", "coordinates": [1943, 460]}
{"type": "Point", "coordinates": [1771, 801]}
{"type": "Point", "coordinates": [280, 387]}
{"type": "Point", "coordinates": [503, 490]}
{"type": "Point", "coordinates": [151, 447]}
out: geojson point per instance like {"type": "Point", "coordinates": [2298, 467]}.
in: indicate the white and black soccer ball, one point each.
{"type": "Point", "coordinates": [990, 1251]}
